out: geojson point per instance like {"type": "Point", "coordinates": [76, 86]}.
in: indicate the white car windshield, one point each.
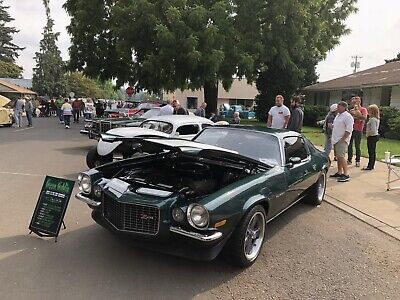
{"type": "Point", "coordinates": [260, 146]}
{"type": "Point", "coordinates": [151, 113]}
{"type": "Point", "coordinates": [158, 125]}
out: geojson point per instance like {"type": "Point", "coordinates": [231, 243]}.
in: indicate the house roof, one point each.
{"type": "Point", "coordinates": [22, 82]}
{"type": "Point", "coordinates": [384, 75]}
{"type": "Point", "coordinates": [7, 87]}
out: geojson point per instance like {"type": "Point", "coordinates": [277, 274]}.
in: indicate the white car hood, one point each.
{"type": "Point", "coordinates": [130, 132]}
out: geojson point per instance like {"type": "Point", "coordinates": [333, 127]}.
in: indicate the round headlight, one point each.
{"type": "Point", "coordinates": [85, 184]}
{"type": "Point", "coordinates": [177, 214]}
{"type": "Point", "coordinates": [197, 216]}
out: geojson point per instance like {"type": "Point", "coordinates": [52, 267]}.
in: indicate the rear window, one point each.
{"type": "Point", "coordinates": [188, 129]}
{"type": "Point", "coordinates": [157, 125]}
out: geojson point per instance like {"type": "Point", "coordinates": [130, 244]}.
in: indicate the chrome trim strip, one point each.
{"type": "Point", "coordinates": [84, 131]}
{"type": "Point", "coordinates": [196, 235]}
{"type": "Point", "coordinates": [87, 200]}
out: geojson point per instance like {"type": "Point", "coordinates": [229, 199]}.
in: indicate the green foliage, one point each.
{"type": "Point", "coordinates": [387, 114]}
{"type": "Point", "coordinates": [10, 70]}
{"type": "Point", "coordinates": [397, 58]}
{"type": "Point", "coordinates": [297, 35]}
{"type": "Point", "coordinates": [313, 114]}
{"type": "Point", "coordinates": [48, 75]}
{"type": "Point", "coordinates": [85, 87]}
{"type": "Point", "coordinates": [8, 50]}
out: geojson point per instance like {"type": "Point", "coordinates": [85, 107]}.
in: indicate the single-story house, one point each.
{"type": "Point", "coordinates": [379, 85]}
{"type": "Point", "coordinates": [14, 91]}
{"type": "Point", "coordinates": [240, 93]}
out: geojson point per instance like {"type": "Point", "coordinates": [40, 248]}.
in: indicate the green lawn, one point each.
{"type": "Point", "coordinates": [316, 136]}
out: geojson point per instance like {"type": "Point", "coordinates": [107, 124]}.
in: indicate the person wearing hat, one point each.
{"type": "Point", "coordinates": [327, 127]}
{"type": "Point", "coordinates": [341, 135]}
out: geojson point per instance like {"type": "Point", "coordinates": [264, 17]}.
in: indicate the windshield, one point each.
{"type": "Point", "coordinates": [263, 147]}
{"type": "Point", "coordinates": [158, 125]}
{"type": "Point", "coordinates": [151, 113]}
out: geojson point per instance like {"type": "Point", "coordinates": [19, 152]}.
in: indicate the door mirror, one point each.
{"type": "Point", "coordinates": [293, 161]}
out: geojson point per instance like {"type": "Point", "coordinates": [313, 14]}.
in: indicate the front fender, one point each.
{"type": "Point", "coordinates": [105, 148]}
{"type": "Point", "coordinates": [256, 199]}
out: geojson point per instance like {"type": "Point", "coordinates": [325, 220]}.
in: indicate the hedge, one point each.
{"type": "Point", "coordinates": [313, 114]}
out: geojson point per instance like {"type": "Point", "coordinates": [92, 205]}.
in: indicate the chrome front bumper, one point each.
{"type": "Point", "coordinates": [195, 235]}
{"type": "Point", "coordinates": [87, 200]}
{"type": "Point", "coordinates": [84, 131]}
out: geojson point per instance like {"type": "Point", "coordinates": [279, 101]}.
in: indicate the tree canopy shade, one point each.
{"type": "Point", "coordinates": [48, 75]}
{"type": "Point", "coordinates": [8, 50]}
{"type": "Point", "coordinates": [169, 44]}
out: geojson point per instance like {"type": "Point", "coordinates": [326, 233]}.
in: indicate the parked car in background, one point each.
{"type": "Point", "coordinates": [111, 146]}
{"type": "Point", "coordinates": [6, 114]}
{"type": "Point", "coordinates": [196, 198]}
{"type": "Point", "coordinates": [94, 128]}
{"type": "Point", "coordinates": [227, 111]}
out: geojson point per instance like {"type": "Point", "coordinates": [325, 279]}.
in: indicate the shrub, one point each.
{"type": "Point", "coordinates": [313, 114]}
{"type": "Point", "coordinates": [390, 122]}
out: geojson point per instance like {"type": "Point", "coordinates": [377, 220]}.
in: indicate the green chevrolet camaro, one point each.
{"type": "Point", "coordinates": [196, 198]}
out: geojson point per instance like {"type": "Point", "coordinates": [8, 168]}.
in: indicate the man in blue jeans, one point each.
{"type": "Point", "coordinates": [359, 114]}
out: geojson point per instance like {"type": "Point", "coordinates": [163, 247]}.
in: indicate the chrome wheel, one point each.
{"type": "Point", "coordinates": [321, 186]}
{"type": "Point", "coordinates": [254, 236]}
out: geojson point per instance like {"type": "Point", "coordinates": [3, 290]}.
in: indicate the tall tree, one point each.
{"type": "Point", "coordinates": [10, 70]}
{"type": "Point", "coordinates": [173, 44]}
{"type": "Point", "coordinates": [299, 34]}
{"type": "Point", "coordinates": [8, 50]}
{"type": "Point", "coordinates": [48, 75]}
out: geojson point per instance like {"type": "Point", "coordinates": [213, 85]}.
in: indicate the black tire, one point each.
{"type": "Point", "coordinates": [7, 125]}
{"type": "Point", "coordinates": [316, 193]}
{"type": "Point", "coordinates": [236, 247]}
{"type": "Point", "coordinates": [93, 159]}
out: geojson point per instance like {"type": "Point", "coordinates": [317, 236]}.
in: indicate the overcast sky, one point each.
{"type": "Point", "coordinates": [375, 35]}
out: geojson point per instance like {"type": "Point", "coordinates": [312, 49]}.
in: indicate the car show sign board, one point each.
{"type": "Point", "coordinates": [51, 206]}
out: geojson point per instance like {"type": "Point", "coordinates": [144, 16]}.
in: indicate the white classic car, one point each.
{"type": "Point", "coordinates": [110, 145]}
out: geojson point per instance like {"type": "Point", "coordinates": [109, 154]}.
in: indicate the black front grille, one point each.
{"type": "Point", "coordinates": [105, 126]}
{"type": "Point", "coordinates": [131, 217]}
{"type": "Point", "coordinates": [96, 126]}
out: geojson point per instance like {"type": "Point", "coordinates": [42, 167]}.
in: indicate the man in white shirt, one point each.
{"type": "Point", "coordinates": [341, 135]}
{"type": "Point", "coordinates": [278, 115]}
{"type": "Point", "coordinates": [167, 109]}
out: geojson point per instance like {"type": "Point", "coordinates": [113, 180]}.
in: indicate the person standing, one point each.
{"type": "Point", "coordinates": [67, 113]}
{"type": "Point", "coordinates": [236, 118]}
{"type": "Point", "coordinates": [59, 103]}
{"type": "Point", "coordinates": [76, 107]}
{"type": "Point", "coordinates": [296, 115]}
{"type": "Point", "coordinates": [167, 110]}
{"type": "Point", "coordinates": [178, 109]}
{"type": "Point", "coordinates": [29, 110]}
{"type": "Point", "coordinates": [89, 109]}
{"type": "Point", "coordinates": [278, 115]}
{"type": "Point", "coordinates": [359, 114]}
{"type": "Point", "coordinates": [341, 135]}
{"type": "Point", "coordinates": [327, 127]}
{"type": "Point", "coordinates": [18, 110]}
{"type": "Point", "coordinates": [372, 135]}
{"type": "Point", "coordinates": [201, 111]}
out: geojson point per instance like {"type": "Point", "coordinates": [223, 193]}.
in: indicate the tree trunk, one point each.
{"type": "Point", "coordinates": [211, 97]}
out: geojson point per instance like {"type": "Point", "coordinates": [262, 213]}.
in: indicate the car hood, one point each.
{"type": "Point", "coordinates": [201, 150]}
{"type": "Point", "coordinates": [4, 101]}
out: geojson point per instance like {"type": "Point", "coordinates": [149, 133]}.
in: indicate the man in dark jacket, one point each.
{"type": "Point", "coordinates": [296, 115]}
{"type": "Point", "coordinates": [178, 109]}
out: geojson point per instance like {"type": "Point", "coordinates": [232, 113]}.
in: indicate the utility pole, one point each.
{"type": "Point", "coordinates": [356, 63]}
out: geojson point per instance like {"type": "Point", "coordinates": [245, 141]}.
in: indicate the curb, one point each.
{"type": "Point", "coordinates": [374, 222]}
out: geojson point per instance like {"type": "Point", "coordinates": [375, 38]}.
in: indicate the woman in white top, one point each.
{"type": "Point", "coordinates": [372, 135]}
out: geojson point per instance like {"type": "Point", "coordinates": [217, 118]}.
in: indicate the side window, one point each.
{"type": "Point", "coordinates": [295, 147]}
{"type": "Point", "coordinates": [206, 125]}
{"type": "Point", "coordinates": [188, 129]}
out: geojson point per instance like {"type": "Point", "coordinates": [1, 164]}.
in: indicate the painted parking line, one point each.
{"type": "Point", "coordinates": [22, 174]}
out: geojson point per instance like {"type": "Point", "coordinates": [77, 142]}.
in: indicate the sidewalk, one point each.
{"type": "Point", "coordinates": [365, 197]}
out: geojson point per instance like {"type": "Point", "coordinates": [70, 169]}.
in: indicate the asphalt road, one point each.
{"type": "Point", "coordinates": [310, 253]}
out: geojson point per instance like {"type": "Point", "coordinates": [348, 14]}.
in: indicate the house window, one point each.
{"type": "Point", "coordinates": [192, 102]}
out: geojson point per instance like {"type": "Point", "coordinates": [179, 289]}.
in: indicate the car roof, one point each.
{"type": "Point", "coordinates": [180, 119]}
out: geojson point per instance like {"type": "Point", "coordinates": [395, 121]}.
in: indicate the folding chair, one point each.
{"type": "Point", "coordinates": [393, 172]}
